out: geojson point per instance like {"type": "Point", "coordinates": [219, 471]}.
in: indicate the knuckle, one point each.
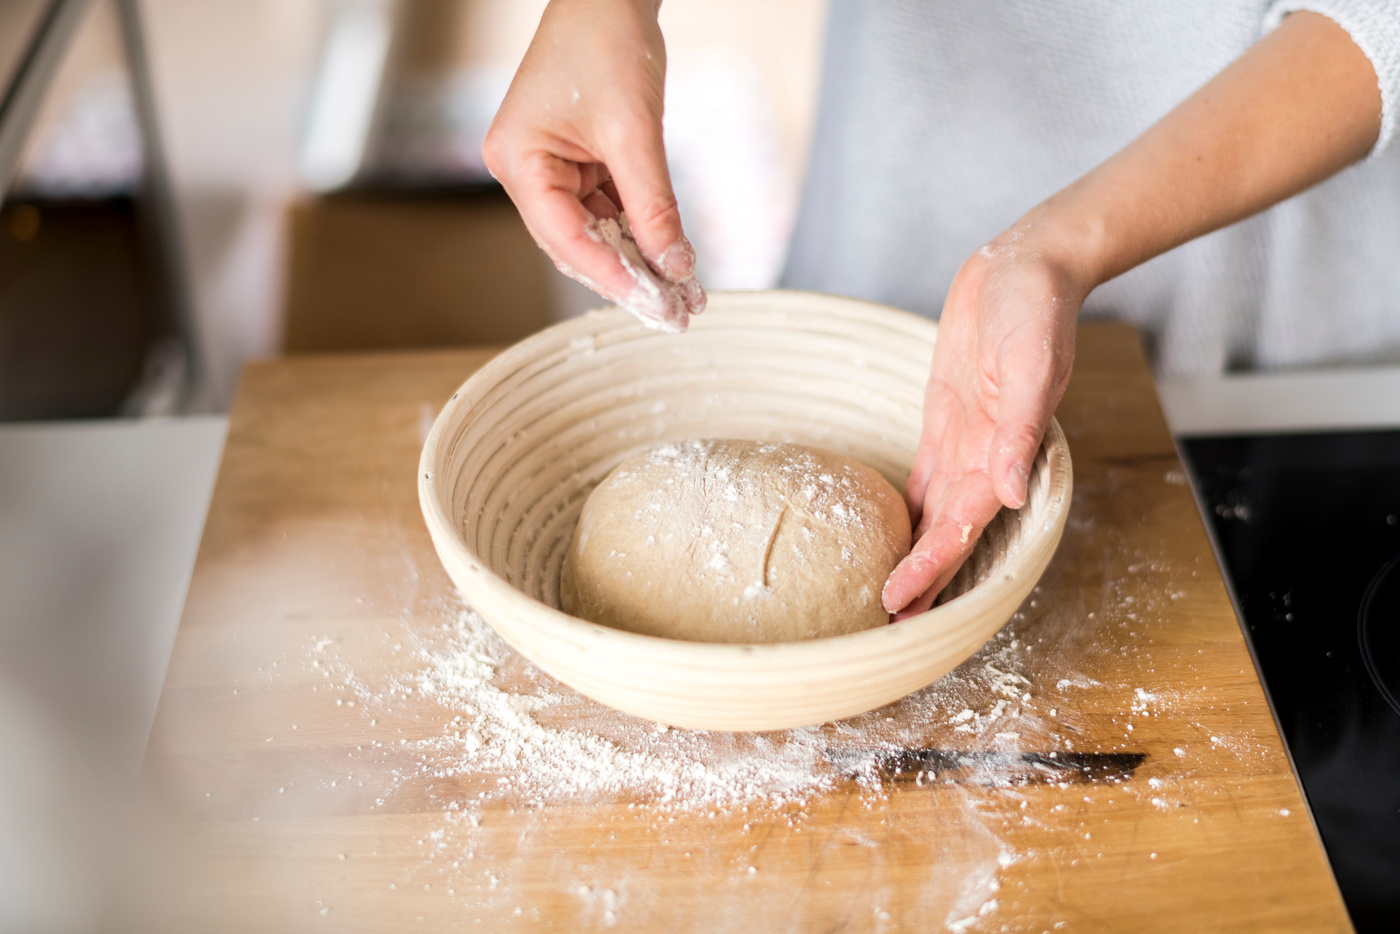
{"type": "Point", "coordinates": [493, 150]}
{"type": "Point", "coordinates": [1021, 440]}
{"type": "Point", "coordinates": [657, 212]}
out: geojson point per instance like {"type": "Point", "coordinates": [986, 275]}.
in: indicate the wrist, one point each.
{"type": "Point", "coordinates": [1066, 233]}
{"type": "Point", "coordinates": [1065, 248]}
{"type": "Point", "coordinates": [647, 8]}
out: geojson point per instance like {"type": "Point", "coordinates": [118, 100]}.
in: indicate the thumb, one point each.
{"type": "Point", "coordinates": [1023, 412]}
{"type": "Point", "coordinates": [643, 184]}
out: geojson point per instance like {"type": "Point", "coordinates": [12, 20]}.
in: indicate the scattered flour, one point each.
{"type": "Point", "coordinates": [488, 728]}
{"type": "Point", "coordinates": [502, 719]}
{"type": "Point", "coordinates": [534, 738]}
{"type": "Point", "coordinates": [657, 302]}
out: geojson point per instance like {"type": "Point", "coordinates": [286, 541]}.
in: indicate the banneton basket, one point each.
{"type": "Point", "coordinates": [519, 447]}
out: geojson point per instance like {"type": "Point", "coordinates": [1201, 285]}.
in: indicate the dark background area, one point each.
{"type": "Point", "coordinates": [80, 306]}
{"type": "Point", "coordinates": [1306, 525]}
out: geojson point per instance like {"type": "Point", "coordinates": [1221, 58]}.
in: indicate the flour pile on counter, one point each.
{"type": "Point", "coordinates": [493, 715]}
{"type": "Point", "coordinates": [548, 744]}
{"type": "Point", "coordinates": [463, 732]}
{"type": "Point", "coordinates": [508, 733]}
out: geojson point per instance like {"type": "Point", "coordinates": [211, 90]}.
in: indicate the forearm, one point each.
{"type": "Point", "coordinates": [1299, 106]}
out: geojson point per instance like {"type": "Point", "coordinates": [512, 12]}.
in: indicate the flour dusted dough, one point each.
{"type": "Point", "coordinates": [736, 541]}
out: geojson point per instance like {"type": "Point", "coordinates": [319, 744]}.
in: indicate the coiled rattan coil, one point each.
{"type": "Point", "coordinates": [517, 449]}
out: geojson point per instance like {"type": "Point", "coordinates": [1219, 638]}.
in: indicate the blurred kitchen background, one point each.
{"type": "Point", "coordinates": [189, 184]}
{"type": "Point", "coordinates": [328, 193]}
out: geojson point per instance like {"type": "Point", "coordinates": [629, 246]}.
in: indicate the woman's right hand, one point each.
{"type": "Point", "coordinates": [577, 142]}
{"type": "Point", "coordinates": [1000, 365]}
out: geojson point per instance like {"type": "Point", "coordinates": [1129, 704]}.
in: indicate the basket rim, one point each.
{"type": "Point", "coordinates": [542, 618]}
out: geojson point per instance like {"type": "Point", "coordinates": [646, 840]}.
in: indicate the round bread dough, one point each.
{"type": "Point", "coordinates": [736, 541]}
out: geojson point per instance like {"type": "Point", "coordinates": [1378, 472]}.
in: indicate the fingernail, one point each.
{"type": "Point", "coordinates": [693, 294]}
{"type": "Point", "coordinates": [885, 596]}
{"type": "Point", "coordinates": [1018, 480]}
{"type": "Point", "coordinates": [677, 261]}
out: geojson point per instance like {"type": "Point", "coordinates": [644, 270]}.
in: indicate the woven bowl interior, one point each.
{"type": "Point", "coordinates": [536, 430]}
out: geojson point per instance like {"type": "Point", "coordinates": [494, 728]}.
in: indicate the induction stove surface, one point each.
{"type": "Point", "coordinates": [1308, 529]}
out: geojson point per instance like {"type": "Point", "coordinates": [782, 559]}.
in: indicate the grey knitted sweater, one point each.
{"type": "Point", "coordinates": [941, 123]}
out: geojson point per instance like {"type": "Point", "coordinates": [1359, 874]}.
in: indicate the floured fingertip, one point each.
{"type": "Point", "coordinates": [677, 261]}
{"type": "Point", "coordinates": [643, 312]}
{"type": "Point", "coordinates": [892, 596]}
{"type": "Point", "coordinates": [693, 294]}
{"type": "Point", "coordinates": [655, 301]}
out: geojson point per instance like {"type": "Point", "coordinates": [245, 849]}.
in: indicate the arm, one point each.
{"type": "Point", "coordinates": [577, 142]}
{"type": "Point", "coordinates": [1299, 106]}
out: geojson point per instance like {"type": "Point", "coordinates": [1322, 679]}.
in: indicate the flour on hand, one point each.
{"type": "Point", "coordinates": [656, 301]}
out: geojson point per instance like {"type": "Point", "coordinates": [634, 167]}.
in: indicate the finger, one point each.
{"type": "Point", "coordinates": [923, 601]}
{"type": "Point", "coordinates": [946, 543]}
{"type": "Point", "coordinates": [543, 191]}
{"type": "Point", "coordinates": [693, 293]}
{"type": "Point", "coordinates": [643, 183]}
{"type": "Point", "coordinates": [942, 419]}
{"type": "Point", "coordinates": [600, 205]}
{"type": "Point", "coordinates": [607, 187]}
{"type": "Point", "coordinates": [595, 175]}
{"type": "Point", "coordinates": [925, 459]}
{"type": "Point", "coordinates": [579, 228]}
{"type": "Point", "coordinates": [920, 603]}
{"type": "Point", "coordinates": [1023, 411]}
{"type": "Point", "coordinates": [951, 535]}
{"type": "Point", "coordinates": [658, 300]}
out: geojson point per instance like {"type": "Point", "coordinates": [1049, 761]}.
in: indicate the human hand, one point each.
{"type": "Point", "coordinates": [577, 144]}
{"type": "Point", "coordinates": [1300, 105]}
{"type": "Point", "coordinates": [1001, 363]}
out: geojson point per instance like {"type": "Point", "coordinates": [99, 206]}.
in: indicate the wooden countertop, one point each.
{"type": "Point", "coordinates": [1137, 783]}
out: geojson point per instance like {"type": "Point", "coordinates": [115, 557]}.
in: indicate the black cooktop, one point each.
{"type": "Point", "coordinates": [1308, 528]}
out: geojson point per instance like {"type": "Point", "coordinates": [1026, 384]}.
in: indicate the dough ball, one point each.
{"type": "Point", "coordinates": [736, 541]}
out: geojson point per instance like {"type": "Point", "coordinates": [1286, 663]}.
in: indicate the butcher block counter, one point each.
{"type": "Point", "coordinates": [341, 745]}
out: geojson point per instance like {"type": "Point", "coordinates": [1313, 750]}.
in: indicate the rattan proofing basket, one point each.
{"type": "Point", "coordinates": [517, 449]}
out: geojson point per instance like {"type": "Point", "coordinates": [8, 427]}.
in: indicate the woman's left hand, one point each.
{"type": "Point", "coordinates": [1297, 107]}
{"type": "Point", "coordinates": [1000, 365]}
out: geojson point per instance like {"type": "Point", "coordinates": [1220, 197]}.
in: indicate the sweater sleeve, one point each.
{"type": "Point", "coordinates": [1374, 25]}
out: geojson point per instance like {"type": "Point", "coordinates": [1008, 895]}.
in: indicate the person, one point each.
{"type": "Point", "coordinates": [1132, 129]}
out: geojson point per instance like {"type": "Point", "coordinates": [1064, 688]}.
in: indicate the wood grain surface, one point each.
{"type": "Point", "coordinates": [1138, 783]}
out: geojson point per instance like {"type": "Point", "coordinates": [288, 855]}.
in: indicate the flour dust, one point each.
{"type": "Point", "coordinates": [488, 751]}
